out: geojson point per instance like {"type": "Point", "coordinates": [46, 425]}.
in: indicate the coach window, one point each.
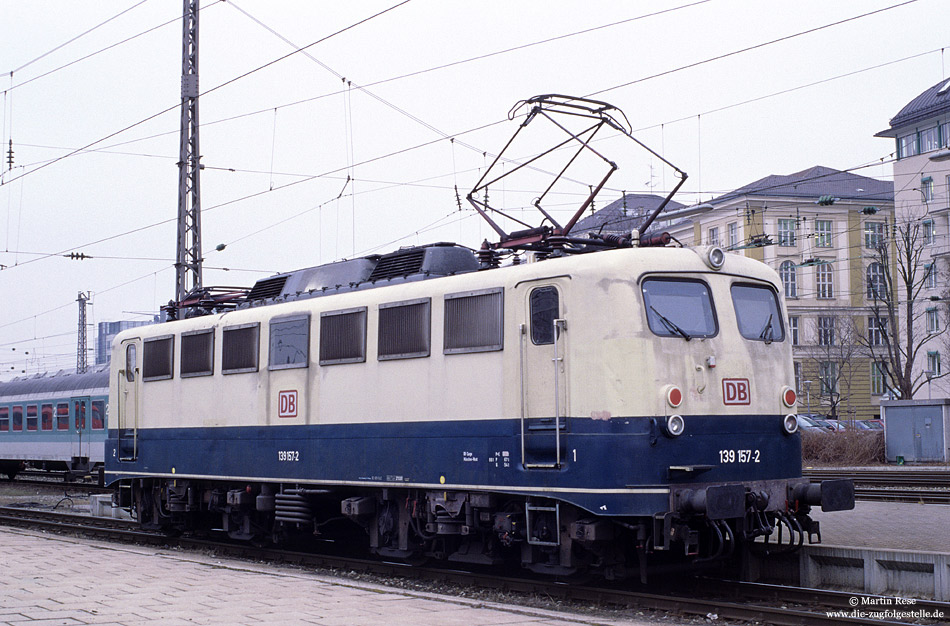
{"type": "Point", "coordinates": [240, 348]}
{"type": "Point", "coordinates": [679, 307]}
{"type": "Point", "coordinates": [62, 416]}
{"type": "Point", "coordinates": [473, 321]}
{"type": "Point", "coordinates": [46, 417]}
{"type": "Point", "coordinates": [290, 342]}
{"type": "Point", "coordinates": [4, 419]}
{"type": "Point", "coordinates": [404, 329]}
{"type": "Point", "coordinates": [98, 414]}
{"type": "Point", "coordinates": [17, 418]}
{"type": "Point", "coordinates": [158, 355]}
{"type": "Point", "coordinates": [32, 417]}
{"type": "Point", "coordinates": [343, 336]}
{"type": "Point", "coordinates": [757, 313]}
{"type": "Point", "coordinates": [544, 306]}
{"type": "Point", "coordinates": [197, 353]}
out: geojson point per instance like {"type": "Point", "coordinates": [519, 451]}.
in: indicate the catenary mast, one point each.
{"type": "Point", "coordinates": [188, 263]}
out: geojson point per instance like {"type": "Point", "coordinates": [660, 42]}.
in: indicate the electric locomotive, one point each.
{"type": "Point", "coordinates": [574, 411]}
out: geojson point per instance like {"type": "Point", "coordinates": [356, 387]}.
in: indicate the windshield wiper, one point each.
{"type": "Point", "coordinates": [670, 325]}
{"type": "Point", "coordinates": [766, 334]}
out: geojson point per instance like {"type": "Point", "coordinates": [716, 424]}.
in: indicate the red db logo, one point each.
{"type": "Point", "coordinates": [735, 391]}
{"type": "Point", "coordinates": [287, 404]}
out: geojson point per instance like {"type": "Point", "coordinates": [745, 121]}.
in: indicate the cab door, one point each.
{"type": "Point", "coordinates": [544, 390]}
{"type": "Point", "coordinates": [127, 401]}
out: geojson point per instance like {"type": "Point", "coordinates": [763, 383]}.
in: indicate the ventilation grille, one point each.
{"type": "Point", "coordinates": [399, 264]}
{"type": "Point", "coordinates": [267, 288]}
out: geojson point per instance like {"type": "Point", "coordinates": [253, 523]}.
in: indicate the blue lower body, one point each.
{"type": "Point", "coordinates": [615, 467]}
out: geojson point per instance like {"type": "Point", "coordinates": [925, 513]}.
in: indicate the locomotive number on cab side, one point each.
{"type": "Point", "coordinates": [739, 456]}
{"type": "Point", "coordinates": [288, 455]}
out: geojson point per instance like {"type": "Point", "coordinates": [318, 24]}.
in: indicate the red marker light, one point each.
{"type": "Point", "coordinates": [674, 396]}
{"type": "Point", "coordinates": [789, 397]}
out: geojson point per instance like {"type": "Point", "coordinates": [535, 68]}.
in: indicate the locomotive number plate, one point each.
{"type": "Point", "coordinates": [739, 456]}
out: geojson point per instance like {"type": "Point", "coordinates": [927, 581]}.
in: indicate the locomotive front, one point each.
{"type": "Point", "coordinates": [686, 373]}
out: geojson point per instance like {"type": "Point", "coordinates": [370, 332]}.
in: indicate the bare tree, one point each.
{"type": "Point", "coordinates": [902, 321]}
{"type": "Point", "coordinates": [832, 359]}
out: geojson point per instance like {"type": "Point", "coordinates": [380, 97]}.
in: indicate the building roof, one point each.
{"type": "Point", "coordinates": [813, 183]}
{"type": "Point", "coordinates": [930, 103]}
{"type": "Point", "coordinates": [623, 215]}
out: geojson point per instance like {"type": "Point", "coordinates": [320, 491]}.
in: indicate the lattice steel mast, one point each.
{"type": "Point", "coordinates": [81, 361]}
{"type": "Point", "coordinates": [188, 264]}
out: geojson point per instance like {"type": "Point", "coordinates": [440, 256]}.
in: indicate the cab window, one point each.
{"type": "Point", "coordinates": [758, 313]}
{"type": "Point", "coordinates": [679, 307]}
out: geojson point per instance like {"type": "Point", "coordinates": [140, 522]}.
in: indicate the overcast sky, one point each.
{"type": "Point", "coordinates": [729, 91]}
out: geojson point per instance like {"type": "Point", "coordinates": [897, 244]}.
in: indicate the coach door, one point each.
{"type": "Point", "coordinates": [82, 419]}
{"type": "Point", "coordinates": [127, 400]}
{"type": "Point", "coordinates": [543, 336]}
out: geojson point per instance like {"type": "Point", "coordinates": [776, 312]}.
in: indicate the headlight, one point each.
{"type": "Point", "coordinates": [790, 424]}
{"type": "Point", "coordinates": [715, 257]}
{"type": "Point", "coordinates": [674, 426]}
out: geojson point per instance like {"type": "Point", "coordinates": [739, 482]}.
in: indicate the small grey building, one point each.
{"type": "Point", "coordinates": [917, 430]}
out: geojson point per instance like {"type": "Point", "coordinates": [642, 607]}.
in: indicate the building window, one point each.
{"type": "Point", "coordinates": [789, 275]}
{"type": "Point", "coordinates": [240, 348]}
{"type": "Point", "coordinates": [877, 286]}
{"type": "Point", "coordinates": [927, 232]}
{"type": "Point", "coordinates": [933, 321]}
{"type": "Point", "coordinates": [828, 377]}
{"type": "Point", "coordinates": [158, 355]}
{"type": "Point", "coordinates": [825, 281]}
{"type": "Point", "coordinates": [793, 329]}
{"type": "Point", "coordinates": [877, 379]}
{"type": "Point", "coordinates": [474, 321]}
{"type": "Point", "coordinates": [786, 232]}
{"type": "Point", "coordinates": [289, 342]}
{"type": "Point", "coordinates": [197, 353]}
{"type": "Point", "coordinates": [404, 329]}
{"type": "Point", "coordinates": [714, 236]}
{"type": "Point", "coordinates": [877, 331]}
{"type": "Point", "coordinates": [343, 336]}
{"type": "Point", "coordinates": [927, 188]}
{"type": "Point", "coordinates": [823, 233]}
{"type": "Point", "coordinates": [945, 134]}
{"type": "Point", "coordinates": [798, 377]}
{"type": "Point", "coordinates": [733, 231]}
{"type": "Point", "coordinates": [930, 278]}
{"type": "Point", "coordinates": [826, 330]}
{"type": "Point", "coordinates": [929, 140]}
{"type": "Point", "coordinates": [933, 363]}
{"type": "Point", "coordinates": [907, 146]}
{"type": "Point", "coordinates": [873, 235]}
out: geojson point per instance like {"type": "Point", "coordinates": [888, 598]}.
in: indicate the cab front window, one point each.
{"type": "Point", "coordinates": [679, 307]}
{"type": "Point", "coordinates": [758, 313]}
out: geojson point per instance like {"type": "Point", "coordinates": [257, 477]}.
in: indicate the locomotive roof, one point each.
{"type": "Point", "coordinates": [50, 383]}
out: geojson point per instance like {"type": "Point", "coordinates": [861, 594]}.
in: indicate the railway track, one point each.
{"type": "Point", "coordinates": [748, 602]}
{"type": "Point", "coordinates": [926, 486]}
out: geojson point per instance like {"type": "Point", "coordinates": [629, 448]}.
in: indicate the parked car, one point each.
{"type": "Point", "coordinates": [874, 424]}
{"type": "Point", "coordinates": [832, 425]}
{"type": "Point", "coordinates": [806, 423]}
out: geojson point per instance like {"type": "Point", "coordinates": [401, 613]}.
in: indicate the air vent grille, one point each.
{"type": "Point", "coordinates": [267, 288]}
{"type": "Point", "coordinates": [399, 264]}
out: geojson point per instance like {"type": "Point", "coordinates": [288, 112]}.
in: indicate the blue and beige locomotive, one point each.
{"type": "Point", "coordinates": [54, 421]}
{"type": "Point", "coordinates": [584, 412]}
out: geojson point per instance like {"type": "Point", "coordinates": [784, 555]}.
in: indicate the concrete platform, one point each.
{"type": "Point", "coordinates": [52, 580]}
{"type": "Point", "coordinates": [888, 525]}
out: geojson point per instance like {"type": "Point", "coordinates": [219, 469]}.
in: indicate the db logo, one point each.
{"type": "Point", "coordinates": [735, 391]}
{"type": "Point", "coordinates": [287, 404]}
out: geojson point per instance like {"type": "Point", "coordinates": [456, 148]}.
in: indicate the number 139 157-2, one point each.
{"type": "Point", "coordinates": [288, 455]}
{"type": "Point", "coordinates": [739, 456]}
